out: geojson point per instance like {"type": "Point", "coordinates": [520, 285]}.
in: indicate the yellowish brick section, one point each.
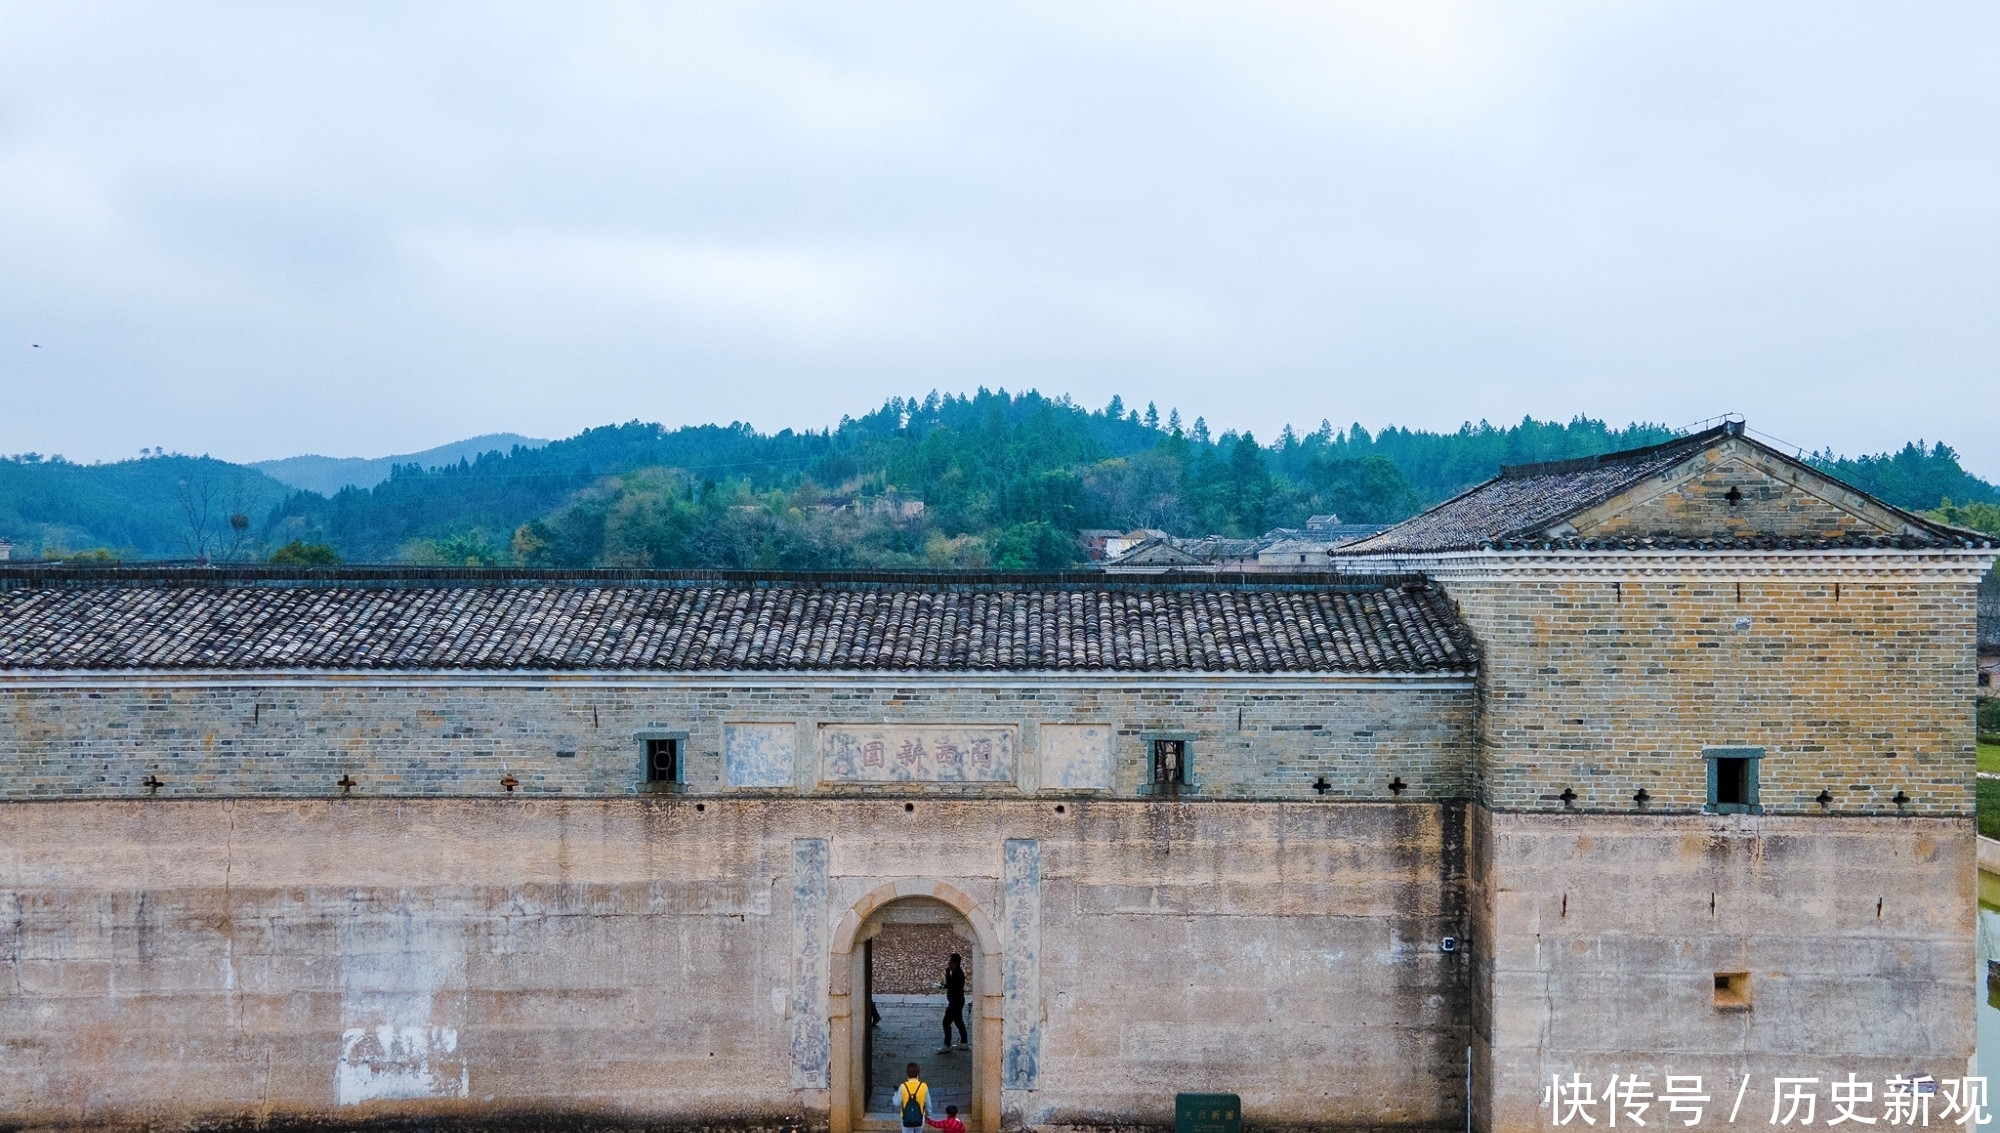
{"type": "Point", "coordinates": [1857, 686]}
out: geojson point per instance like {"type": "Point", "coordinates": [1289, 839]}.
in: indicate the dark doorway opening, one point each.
{"type": "Point", "coordinates": [904, 978]}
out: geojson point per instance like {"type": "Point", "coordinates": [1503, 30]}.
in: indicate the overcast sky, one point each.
{"type": "Point", "coordinates": [258, 230]}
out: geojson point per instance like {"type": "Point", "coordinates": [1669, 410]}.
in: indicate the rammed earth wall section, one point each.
{"type": "Point", "coordinates": [1603, 676]}
{"type": "Point", "coordinates": [105, 736]}
{"type": "Point", "coordinates": [340, 960]}
{"type": "Point", "coordinates": [1600, 937]}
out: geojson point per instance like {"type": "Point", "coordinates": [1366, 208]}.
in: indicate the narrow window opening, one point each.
{"type": "Point", "coordinates": [663, 761]}
{"type": "Point", "coordinates": [1732, 782]}
{"type": "Point", "coordinates": [1732, 991]}
{"type": "Point", "coordinates": [1168, 767]}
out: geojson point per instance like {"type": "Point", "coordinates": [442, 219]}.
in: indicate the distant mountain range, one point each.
{"type": "Point", "coordinates": [329, 474]}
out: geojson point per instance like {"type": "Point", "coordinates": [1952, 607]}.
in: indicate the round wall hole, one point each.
{"type": "Point", "coordinates": [701, 806]}
{"type": "Point", "coordinates": [1060, 809]}
{"type": "Point", "coordinates": [909, 806]}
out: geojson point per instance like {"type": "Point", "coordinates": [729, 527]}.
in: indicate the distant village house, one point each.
{"type": "Point", "coordinates": [1148, 551]}
{"type": "Point", "coordinates": [891, 506]}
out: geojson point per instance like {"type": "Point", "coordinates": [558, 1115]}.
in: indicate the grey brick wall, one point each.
{"type": "Point", "coordinates": [575, 739]}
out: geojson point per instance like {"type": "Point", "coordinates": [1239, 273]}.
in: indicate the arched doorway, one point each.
{"type": "Point", "coordinates": [912, 903]}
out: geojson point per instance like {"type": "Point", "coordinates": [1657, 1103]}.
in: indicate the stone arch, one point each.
{"type": "Point", "coordinates": [849, 928]}
{"type": "Point", "coordinates": [847, 1106]}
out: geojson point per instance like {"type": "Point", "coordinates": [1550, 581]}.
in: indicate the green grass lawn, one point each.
{"type": "Point", "coordinates": [1989, 806]}
{"type": "Point", "coordinates": [1989, 757]}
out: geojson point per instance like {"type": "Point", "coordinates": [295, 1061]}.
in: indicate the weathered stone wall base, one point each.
{"type": "Point", "coordinates": [632, 961]}
{"type": "Point", "coordinates": [1600, 937]}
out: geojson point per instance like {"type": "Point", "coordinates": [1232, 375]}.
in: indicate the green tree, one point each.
{"type": "Point", "coordinates": [1916, 476]}
{"type": "Point", "coordinates": [1035, 545]}
{"type": "Point", "coordinates": [1249, 486]}
{"type": "Point", "coordinates": [461, 548]}
{"type": "Point", "coordinates": [1368, 490]}
{"type": "Point", "coordinates": [1976, 515]}
{"type": "Point", "coordinates": [297, 553]}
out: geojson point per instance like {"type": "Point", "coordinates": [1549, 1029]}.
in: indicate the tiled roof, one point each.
{"type": "Point", "coordinates": [1523, 501]}
{"type": "Point", "coordinates": [510, 620]}
{"type": "Point", "coordinates": [1904, 541]}
{"type": "Point", "coordinates": [1516, 509]}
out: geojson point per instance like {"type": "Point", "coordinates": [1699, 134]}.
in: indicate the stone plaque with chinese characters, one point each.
{"type": "Point", "coordinates": [916, 753]}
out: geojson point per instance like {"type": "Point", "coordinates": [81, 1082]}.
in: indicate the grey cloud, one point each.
{"type": "Point", "coordinates": [257, 231]}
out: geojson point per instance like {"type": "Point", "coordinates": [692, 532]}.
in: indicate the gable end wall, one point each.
{"type": "Point", "coordinates": [1771, 502]}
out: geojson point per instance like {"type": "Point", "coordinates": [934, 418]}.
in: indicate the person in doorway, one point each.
{"type": "Point", "coordinates": [954, 1003]}
{"type": "Point", "coordinates": [950, 1123]}
{"type": "Point", "coordinates": [913, 1098]}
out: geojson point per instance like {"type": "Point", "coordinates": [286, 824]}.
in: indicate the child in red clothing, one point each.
{"type": "Point", "coordinates": [950, 1124]}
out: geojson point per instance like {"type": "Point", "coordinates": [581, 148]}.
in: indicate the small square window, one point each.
{"type": "Point", "coordinates": [1732, 991]}
{"type": "Point", "coordinates": [662, 760]}
{"type": "Point", "coordinates": [1170, 762]}
{"type": "Point", "coordinates": [1732, 780]}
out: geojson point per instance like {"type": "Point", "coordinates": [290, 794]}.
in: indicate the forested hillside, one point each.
{"type": "Point", "coordinates": [989, 479]}
{"type": "Point", "coordinates": [154, 507]}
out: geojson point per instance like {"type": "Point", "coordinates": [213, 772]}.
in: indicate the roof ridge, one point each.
{"type": "Point", "coordinates": [61, 576]}
{"type": "Point", "coordinates": [1622, 456]}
